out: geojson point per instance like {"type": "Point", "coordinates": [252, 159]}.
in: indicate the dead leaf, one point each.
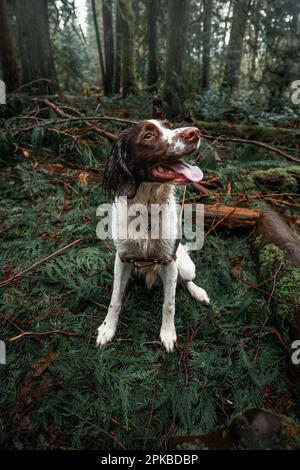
{"type": "Point", "coordinates": [83, 177]}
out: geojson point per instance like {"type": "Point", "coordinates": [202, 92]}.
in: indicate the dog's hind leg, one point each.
{"type": "Point", "coordinates": [169, 276]}
{"type": "Point", "coordinates": [107, 330]}
{"type": "Point", "coordinates": [187, 272]}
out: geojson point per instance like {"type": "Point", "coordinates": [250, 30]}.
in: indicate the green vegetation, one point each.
{"type": "Point", "coordinates": [58, 390]}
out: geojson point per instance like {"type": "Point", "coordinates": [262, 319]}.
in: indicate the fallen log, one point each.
{"type": "Point", "coordinates": [278, 256]}
{"type": "Point", "coordinates": [277, 177]}
{"type": "Point", "coordinates": [274, 135]}
{"type": "Point", "coordinates": [271, 228]}
{"type": "Point", "coordinates": [230, 217]}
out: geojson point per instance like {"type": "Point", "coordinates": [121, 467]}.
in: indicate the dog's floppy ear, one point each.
{"type": "Point", "coordinates": [117, 178]}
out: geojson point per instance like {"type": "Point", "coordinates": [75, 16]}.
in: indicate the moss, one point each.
{"type": "Point", "coordinates": [246, 184]}
{"type": "Point", "coordinates": [288, 183]}
{"type": "Point", "coordinates": [287, 284]}
{"type": "Point", "coordinates": [279, 171]}
{"type": "Point", "coordinates": [269, 259]}
{"type": "Point", "coordinates": [288, 290]}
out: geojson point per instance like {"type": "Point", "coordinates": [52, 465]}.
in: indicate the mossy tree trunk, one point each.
{"type": "Point", "coordinates": [274, 135]}
{"type": "Point", "coordinates": [118, 54]}
{"type": "Point", "coordinates": [235, 47]}
{"type": "Point", "coordinates": [9, 64]}
{"type": "Point", "coordinates": [152, 10]}
{"type": "Point", "coordinates": [98, 41]}
{"type": "Point", "coordinates": [176, 40]}
{"type": "Point", "coordinates": [34, 44]}
{"type": "Point", "coordinates": [108, 45]}
{"type": "Point", "coordinates": [207, 16]}
{"type": "Point", "coordinates": [128, 48]}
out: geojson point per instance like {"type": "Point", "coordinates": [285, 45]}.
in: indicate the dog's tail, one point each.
{"type": "Point", "coordinates": [197, 292]}
{"type": "Point", "coordinates": [186, 269]}
{"type": "Point", "coordinates": [151, 279]}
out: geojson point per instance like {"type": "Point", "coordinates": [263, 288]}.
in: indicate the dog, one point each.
{"type": "Point", "coordinates": [144, 167]}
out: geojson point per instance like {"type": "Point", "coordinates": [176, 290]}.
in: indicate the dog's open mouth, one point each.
{"type": "Point", "coordinates": [177, 172]}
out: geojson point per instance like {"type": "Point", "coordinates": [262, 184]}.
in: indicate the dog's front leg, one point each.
{"type": "Point", "coordinates": [107, 330]}
{"type": "Point", "coordinates": [167, 332]}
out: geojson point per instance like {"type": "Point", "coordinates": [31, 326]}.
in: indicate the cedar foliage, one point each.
{"type": "Point", "coordinates": [58, 390]}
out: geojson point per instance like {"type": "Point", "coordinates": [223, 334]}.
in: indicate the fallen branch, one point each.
{"type": "Point", "coordinates": [253, 142]}
{"type": "Point", "coordinates": [111, 137]}
{"type": "Point", "coordinates": [26, 85]}
{"type": "Point", "coordinates": [43, 333]}
{"type": "Point", "coordinates": [38, 263]}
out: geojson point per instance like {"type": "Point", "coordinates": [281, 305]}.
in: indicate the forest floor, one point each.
{"type": "Point", "coordinates": [229, 384]}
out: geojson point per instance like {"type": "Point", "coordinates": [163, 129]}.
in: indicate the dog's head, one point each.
{"type": "Point", "coordinates": [151, 151]}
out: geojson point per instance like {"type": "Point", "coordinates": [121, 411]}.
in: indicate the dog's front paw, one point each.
{"type": "Point", "coordinates": [106, 332]}
{"type": "Point", "coordinates": [168, 337]}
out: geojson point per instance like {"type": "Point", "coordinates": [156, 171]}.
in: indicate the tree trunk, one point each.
{"type": "Point", "coordinates": [98, 41]}
{"type": "Point", "coordinates": [118, 55]}
{"type": "Point", "coordinates": [9, 65]}
{"type": "Point", "coordinates": [176, 35]}
{"type": "Point", "coordinates": [256, 18]}
{"type": "Point", "coordinates": [128, 48]}
{"type": "Point", "coordinates": [108, 45]}
{"type": "Point", "coordinates": [207, 15]}
{"type": "Point", "coordinates": [34, 44]}
{"type": "Point", "coordinates": [152, 8]}
{"type": "Point", "coordinates": [235, 46]}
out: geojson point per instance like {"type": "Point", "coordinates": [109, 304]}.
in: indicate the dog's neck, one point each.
{"type": "Point", "coordinates": [153, 193]}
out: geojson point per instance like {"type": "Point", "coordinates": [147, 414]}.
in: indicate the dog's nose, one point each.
{"type": "Point", "coordinates": [191, 134]}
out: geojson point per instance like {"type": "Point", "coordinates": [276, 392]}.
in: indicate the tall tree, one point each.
{"type": "Point", "coordinates": [34, 43]}
{"type": "Point", "coordinates": [108, 45]}
{"type": "Point", "coordinates": [9, 65]}
{"type": "Point", "coordinates": [118, 54]}
{"type": "Point", "coordinates": [176, 37]}
{"type": "Point", "coordinates": [255, 21]}
{"type": "Point", "coordinates": [128, 48]}
{"type": "Point", "coordinates": [152, 10]}
{"type": "Point", "coordinates": [207, 17]}
{"type": "Point", "coordinates": [98, 41]}
{"type": "Point", "coordinates": [235, 46]}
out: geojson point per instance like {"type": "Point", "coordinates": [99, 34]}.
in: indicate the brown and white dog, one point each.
{"type": "Point", "coordinates": [145, 164]}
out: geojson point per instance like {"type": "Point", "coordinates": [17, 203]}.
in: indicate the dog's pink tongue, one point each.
{"type": "Point", "coordinates": [192, 173]}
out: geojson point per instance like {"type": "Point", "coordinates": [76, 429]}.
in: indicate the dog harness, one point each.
{"type": "Point", "coordinates": [151, 262]}
{"type": "Point", "coordinates": [155, 262]}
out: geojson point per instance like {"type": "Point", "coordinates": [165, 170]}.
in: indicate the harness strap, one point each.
{"type": "Point", "coordinates": [151, 262]}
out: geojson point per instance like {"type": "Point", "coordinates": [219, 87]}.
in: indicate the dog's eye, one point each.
{"type": "Point", "coordinates": [148, 136]}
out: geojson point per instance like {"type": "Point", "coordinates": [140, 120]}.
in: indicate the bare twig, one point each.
{"type": "Point", "coordinates": [9, 227]}
{"type": "Point", "coordinates": [26, 85]}
{"type": "Point", "coordinates": [38, 263]}
{"type": "Point", "coordinates": [43, 333]}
